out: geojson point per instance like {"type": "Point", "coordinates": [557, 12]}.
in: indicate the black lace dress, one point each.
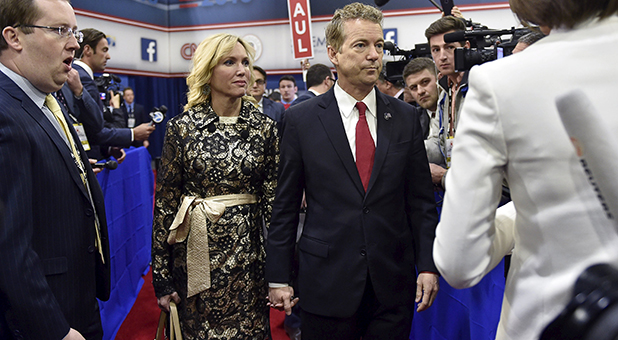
{"type": "Point", "coordinates": [205, 156]}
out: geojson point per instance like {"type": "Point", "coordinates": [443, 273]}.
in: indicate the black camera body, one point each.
{"type": "Point", "coordinates": [592, 313]}
{"type": "Point", "coordinates": [486, 45]}
{"type": "Point", "coordinates": [465, 58]}
{"type": "Point", "coordinates": [394, 69]}
{"type": "Point", "coordinates": [108, 82]}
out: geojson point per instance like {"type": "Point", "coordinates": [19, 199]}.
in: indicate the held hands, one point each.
{"type": "Point", "coordinates": [282, 299]}
{"type": "Point", "coordinates": [427, 286]}
{"type": "Point", "coordinates": [73, 335]}
{"type": "Point", "coordinates": [164, 301]}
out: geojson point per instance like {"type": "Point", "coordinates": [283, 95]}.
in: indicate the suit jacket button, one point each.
{"type": "Point", "coordinates": [90, 249]}
{"type": "Point", "coordinates": [89, 212]}
{"type": "Point", "coordinates": [366, 210]}
{"type": "Point", "coordinates": [363, 252]}
{"type": "Point", "coordinates": [17, 334]}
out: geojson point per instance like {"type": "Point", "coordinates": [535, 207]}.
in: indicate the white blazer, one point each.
{"type": "Point", "coordinates": [510, 128]}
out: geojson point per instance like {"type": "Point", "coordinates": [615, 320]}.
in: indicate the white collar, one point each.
{"type": "Point", "coordinates": [85, 67]}
{"type": "Point", "coordinates": [347, 103]}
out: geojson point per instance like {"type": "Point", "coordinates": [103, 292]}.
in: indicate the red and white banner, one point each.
{"type": "Point", "coordinates": [299, 12]}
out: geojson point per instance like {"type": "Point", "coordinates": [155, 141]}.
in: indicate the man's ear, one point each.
{"type": "Point", "coordinates": [332, 55]}
{"type": "Point", "coordinates": [11, 37]}
{"type": "Point", "coordinates": [87, 51]}
{"type": "Point", "coordinates": [467, 45]}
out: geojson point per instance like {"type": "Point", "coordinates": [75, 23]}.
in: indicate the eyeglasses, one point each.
{"type": "Point", "coordinates": [333, 79]}
{"type": "Point", "coordinates": [62, 31]}
{"type": "Point", "coordinates": [260, 81]}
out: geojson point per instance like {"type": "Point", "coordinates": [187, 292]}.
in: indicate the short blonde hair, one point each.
{"type": "Point", "coordinates": [208, 55]}
{"type": "Point", "coordinates": [335, 35]}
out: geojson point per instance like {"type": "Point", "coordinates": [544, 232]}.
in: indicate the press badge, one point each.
{"type": "Point", "coordinates": [131, 122]}
{"type": "Point", "coordinates": [81, 133]}
{"type": "Point", "coordinates": [449, 151]}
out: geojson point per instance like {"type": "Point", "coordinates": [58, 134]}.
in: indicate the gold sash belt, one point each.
{"type": "Point", "coordinates": [191, 222]}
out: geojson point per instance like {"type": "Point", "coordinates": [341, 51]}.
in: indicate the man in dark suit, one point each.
{"type": "Point", "coordinates": [134, 113]}
{"type": "Point", "coordinates": [84, 110]}
{"type": "Point", "coordinates": [370, 221]}
{"type": "Point", "coordinates": [390, 87]}
{"type": "Point", "coordinates": [53, 241]}
{"type": "Point", "coordinates": [319, 80]}
{"type": "Point", "coordinates": [268, 107]}
{"type": "Point", "coordinates": [93, 54]}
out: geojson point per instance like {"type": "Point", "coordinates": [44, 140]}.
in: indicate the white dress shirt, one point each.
{"type": "Point", "coordinates": [349, 115]}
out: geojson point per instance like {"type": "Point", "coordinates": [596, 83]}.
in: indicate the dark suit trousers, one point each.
{"type": "Point", "coordinates": [372, 321]}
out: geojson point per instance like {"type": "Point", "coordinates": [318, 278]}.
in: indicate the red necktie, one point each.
{"type": "Point", "coordinates": [365, 149]}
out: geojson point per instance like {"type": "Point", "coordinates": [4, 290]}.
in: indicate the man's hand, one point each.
{"type": "Point", "coordinates": [282, 299]}
{"type": "Point", "coordinates": [118, 153]}
{"type": "Point", "coordinates": [456, 12]}
{"type": "Point", "coordinates": [73, 335]}
{"type": "Point", "coordinates": [427, 286]}
{"type": "Point", "coordinates": [95, 170]}
{"type": "Point", "coordinates": [437, 172]}
{"type": "Point", "coordinates": [74, 83]}
{"type": "Point", "coordinates": [142, 131]}
{"type": "Point", "coordinates": [114, 100]}
{"type": "Point", "coordinates": [164, 301]}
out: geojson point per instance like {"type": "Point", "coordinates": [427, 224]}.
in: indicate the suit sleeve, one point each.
{"type": "Point", "coordinates": [467, 245]}
{"type": "Point", "coordinates": [271, 166]}
{"type": "Point", "coordinates": [91, 116]}
{"type": "Point", "coordinates": [23, 287]}
{"type": "Point", "coordinates": [284, 221]}
{"type": "Point", "coordinates": [420, 201]}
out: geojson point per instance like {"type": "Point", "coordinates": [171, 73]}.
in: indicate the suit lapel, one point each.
{"type": "Point", "coordinates": [330, 117]}
{"type": "Point", "coordinates": [384, 129]}
{"type": "Point", "coordinates": [68, 97]}
{"type": "Point", "coordinates": [35, 112]}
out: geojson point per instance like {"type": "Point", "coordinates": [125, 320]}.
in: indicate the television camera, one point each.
{"type": "Point", "coordinates": [485, 45]}
{"type": "Point", "coordinates": [394, 69]}
{"type": "Point", "coordinates": [108, 82]}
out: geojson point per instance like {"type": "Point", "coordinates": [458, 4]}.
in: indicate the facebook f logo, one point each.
{"type": "Point", "coordinates": [390, 34]}
{"type": "Point", "coordinates": [149, 50]}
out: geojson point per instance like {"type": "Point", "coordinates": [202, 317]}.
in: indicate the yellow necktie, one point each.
{"type": "Point", "coordinates": [53, 106]}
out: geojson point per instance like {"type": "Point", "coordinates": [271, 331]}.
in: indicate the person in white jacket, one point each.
{"type": "Point", "coordinates": [510, 128]}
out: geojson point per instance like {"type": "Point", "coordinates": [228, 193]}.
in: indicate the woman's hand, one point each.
{"type": "Point", "coordinates": [164, 301]}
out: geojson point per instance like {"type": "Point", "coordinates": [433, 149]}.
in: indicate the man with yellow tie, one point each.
{"type": "Point", "coordinates": [53, 232]}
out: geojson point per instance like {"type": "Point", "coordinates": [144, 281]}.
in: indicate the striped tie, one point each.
{"type": "Point", "coordinates": [53, 106]}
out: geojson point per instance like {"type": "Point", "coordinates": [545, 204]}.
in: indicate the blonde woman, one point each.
{"type": "Point", "coordinates": [214, 188]}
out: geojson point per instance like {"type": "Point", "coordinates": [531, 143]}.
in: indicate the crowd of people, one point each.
{"type": "Point", "coordinates": [323, 204]}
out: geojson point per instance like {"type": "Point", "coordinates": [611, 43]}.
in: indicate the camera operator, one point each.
{"type": "Point", "coordinates": [421, 80]}
{"type": "Point", "coordinates": [390, 87]}
{"type": "Point", "coordinates": [93, 53]}
{"type": "Point", "coordinates": [454, 85]}
{"type": "Point", "coordinates": [510, 128]}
